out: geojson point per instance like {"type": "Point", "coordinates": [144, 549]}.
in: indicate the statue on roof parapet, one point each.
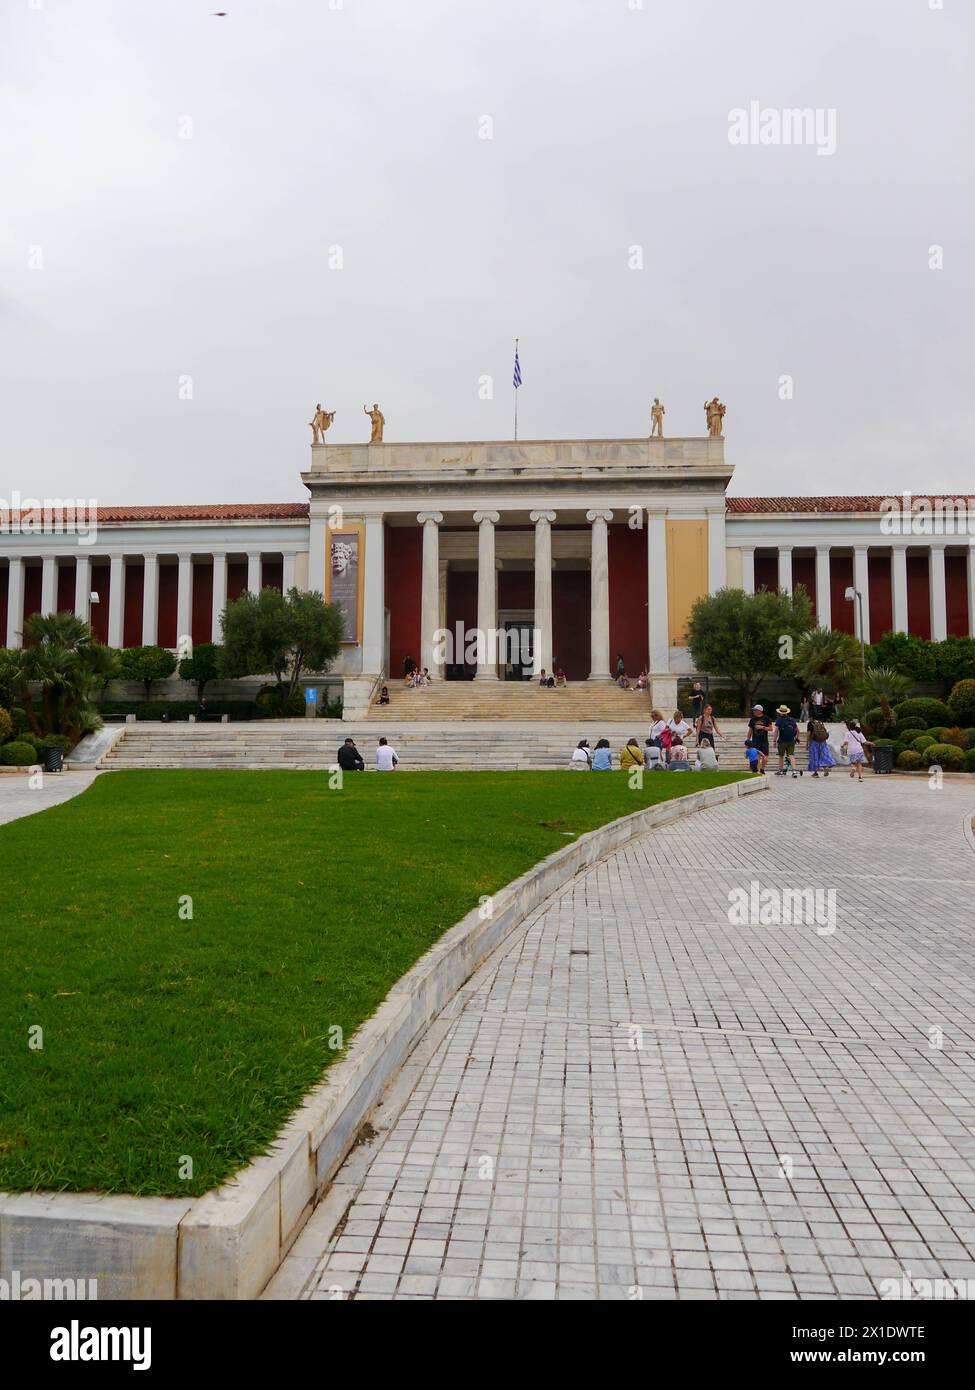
{"type": "Point", "coordinates": [321, 421]}
{"type": "Point", "coordinates": [657, 412]}
{"type": "Point", "coordinates": [378, 422]}
{"type": "Point", "coordinates": [714, 412]}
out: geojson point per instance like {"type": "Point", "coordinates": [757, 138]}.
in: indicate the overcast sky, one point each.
{"type": "Point", "coordinates": [132, 258]}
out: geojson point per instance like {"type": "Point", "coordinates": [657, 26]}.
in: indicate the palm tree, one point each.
{"type": "Point", "coordinates": [825, 657]}
{"type": "Point", "coordinates": [880, 685]}
{"type": "Point", "coordinates": [70, 668]}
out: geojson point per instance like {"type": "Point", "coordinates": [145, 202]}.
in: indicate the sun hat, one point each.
{"type": "Point", "coordinates": [783, 709]}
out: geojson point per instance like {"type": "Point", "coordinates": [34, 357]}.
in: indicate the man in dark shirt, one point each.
{"type": "Point", "coordinates": [758, 727]}
{"type": "Point", "coordinates": [697, 702]}
{"type": "Point", "coordinates": [349, 758]}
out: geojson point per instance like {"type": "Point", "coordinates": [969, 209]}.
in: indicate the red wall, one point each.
{"type": "Point", "coordinates": [236, 579]}
{"type": "Point", "coordinates": [272, 576]}
{"type": "Point", "coordinates": [32, 590]}
{"type": "Point", "coordinates": [201, 625]}
{"type": "Point", "coordinates": [804, 573]}
{"type": "Point", "coordinates": [956, 582]}
{"type": "Point", "coordinates": [100, 583]}
{"type": "Point", "coordinates": [516, 589]}
{"type": "Point", "coordinates": [64, 602]}
{"type": "Point", "coordinates": [840, 579]}
{"type": "Point", "coordinates": [570, 622]}
{"type": "Point", "coordinates": [766, 572]}
{"type": "Point", "coordinates": [4, 586]}
{"type": "Point", "coordinates": [168, 585]}
{"type": "Point", "coordinates": [461, 608]}
{"type": "Point", "coordinates": [918, 596]}
{"type": "Point", "coordinates": [404, 558]}
{"type": "Point", "coordinates": [881, 596]}
{"type": "Point", "coordinates": [628, 618]}
{"type": "Point", "coordinates": [135, 579]}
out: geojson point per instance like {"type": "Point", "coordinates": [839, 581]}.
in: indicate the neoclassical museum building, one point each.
{"type": "Point", "coordinates": [583, 548]}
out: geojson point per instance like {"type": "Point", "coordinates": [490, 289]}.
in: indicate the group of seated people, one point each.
{"type": "Point", "coordinates": [552, 680]}
{"type": "Point", "coordinates": [413, 676]}
{"type": "Point", "coordinates": [666, 750]}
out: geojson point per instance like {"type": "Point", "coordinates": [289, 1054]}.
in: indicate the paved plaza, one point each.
{"type": "Point", "coordinates": [20, 794]}
{"type": "Point", "coordinates": [634, 1098]}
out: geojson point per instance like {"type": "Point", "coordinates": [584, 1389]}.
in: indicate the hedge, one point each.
{"type": "Point", "coordinates": [944, 755]}
{"type": "Point", "coordinates": [922, 742]}
{"type": "Point", "coordinates": [969, 762]}
{"type": "Point", "coordinates": [961, 702]}
{"type": "Point", "coordinates": [909, 760]}
{"type": "Point", "coordinates": [18, 754]}
{"type": "Point", "coordinates": [6, 725]}
{"type": "Point", "coordinates": [931, 711]}
{"type": "Point", "coordinates": [177, 709]}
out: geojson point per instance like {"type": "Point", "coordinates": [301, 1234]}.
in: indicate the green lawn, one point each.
{"type": "Point", "coordinates": [165, 1037]}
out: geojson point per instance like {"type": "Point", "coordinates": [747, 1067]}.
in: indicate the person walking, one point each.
{"type": "Point", "coordinates": [706, 727]}
{"type": "Point", "coordinates": [386, 758]}
{"type": "Point", "coordinates": [602, 759]}
{"type": "Point", "coordinates": [349, 758]}
{"type": "Point", "coordinates": [804, 710]}
{"type": "Point", "coordinates": [758, 731]}
{"type": "Point", "coordinates": [855, 745]}
{"type": "Point", "coordinates": [819, 758]}
{"type": "Point", "coordinates": [786, 733]}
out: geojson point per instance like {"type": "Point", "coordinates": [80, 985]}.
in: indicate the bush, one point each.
{"type": "Point", "coordinates": [18, 754]}
{"type": "Point", "coordinates": [937, 732]}
{"type": "Point", "coordinates": [944, 755]}
{"type": "Point", "coordinates": [910, 721]}
{"type": "Point", "coordinates": [6, 725]}
{"type": "Point", "coordinates": [957, 737]}
{"type": "Point", "coordinates": [19, 717]}
{"type": "Point", "coordinates": [922, 742]}
{"type": "Point", "coordinates": [884, 743]}
{"type": "Point", "coordinates": [177, 709]}
{"type": "Point", "coordinates": [970, 735]}
{"type": "Point", "coordinates": [273, 704]}
{"type": "Point", "coordinates": [873, 722]}
{"type": "Point", "coordinates": [961, 702]}
{"type": "Point", "coordinates": [930, 711]}
{"type": "Point", "coordinates": [909, 760]}
{"type": "Point", "coordinates": [969, 760]}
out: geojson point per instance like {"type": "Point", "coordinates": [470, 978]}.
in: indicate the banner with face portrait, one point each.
{"type": "Point", "coordinates": [344, 575]}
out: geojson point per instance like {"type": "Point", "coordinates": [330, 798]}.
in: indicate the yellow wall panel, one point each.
{"type": "Point", "coordinates": [687, 573]}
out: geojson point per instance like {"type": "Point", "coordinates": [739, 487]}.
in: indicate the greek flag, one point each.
{"type": "Point", "coordinates": [517, 376]}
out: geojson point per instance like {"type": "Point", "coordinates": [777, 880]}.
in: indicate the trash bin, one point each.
{"type": "Point", "coordinates": [883, 757]}
{"type": "Point", "coordinates": [54, 760]}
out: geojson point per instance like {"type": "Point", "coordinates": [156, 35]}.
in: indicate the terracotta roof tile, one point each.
{"type": "Point", "coordinates": [775, 505]}
{"type": "Point", "coordinates": [221, 511]}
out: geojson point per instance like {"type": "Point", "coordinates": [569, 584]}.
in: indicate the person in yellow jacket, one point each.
{"type": "Point", "coordinates": [631, 756]}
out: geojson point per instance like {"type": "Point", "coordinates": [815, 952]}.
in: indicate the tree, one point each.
{"type": "Point", "coordinates": [280, 634]}
{"type": "Point", "coordinates": [954, 660]}
{"type": "Point", "coordinates": [912, 656]}
{"type": "Point", "coordinates": [880, 685]}
{"type": "Point", "coordinates": [146, 664]}
{"type": "Point", "coordinates": [747, 637]}
{"type": "Point", "coordinates": [66, 665]}
{"type": "Point", "coordinates": [826, 657]}
{"type": "Point", "coordinates": [202, 667]}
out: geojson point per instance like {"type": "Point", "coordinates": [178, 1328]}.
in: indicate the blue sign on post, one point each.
{"type": "Point", "coordinates": [311, 694]}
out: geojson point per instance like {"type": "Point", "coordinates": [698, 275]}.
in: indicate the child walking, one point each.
{"type": "Point", "coordinates": [855, 745]}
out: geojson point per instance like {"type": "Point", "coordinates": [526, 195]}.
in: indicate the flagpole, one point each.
{"type": "Point", "coordinates": [516, 393]}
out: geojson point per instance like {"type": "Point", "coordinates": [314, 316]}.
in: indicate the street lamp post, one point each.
{"type": "Point", "coordinates": [854, 595]}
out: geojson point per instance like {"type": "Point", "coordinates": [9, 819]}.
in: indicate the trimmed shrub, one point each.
{"type": "Point", "coordinates": [19, 718]}
{"type": "Point", "coordinates": [957, 737]}
{"type": "Point", "coordinates": [944, 755]}
{"type": "Point", "coordinates": [961, 702]}
{"type": "Point", "coordinates": [177, 709]}
{"type": "Point", "coordinates": [969, 761]}
{"type": "Point", "coordinates": [885, 743]}
{"type": "Point", "coordinates": [910, 721]}
{"type": "Point", "coordinates": [18, 754]}
{"type": "Point", "coordinates": [970, 734]}
{"type": "Point", "coordinates": [931, 711]}
{"type": "Point", "coordinates": [921, 742]}
{"type": "Point", "coordinates": [272, 705]}
{"type": "Point", "coordinates": [909, 760]}
{"type": "Point", "coordinates": [6, 725]}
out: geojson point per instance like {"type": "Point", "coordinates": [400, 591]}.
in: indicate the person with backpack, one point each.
{"type": "Point", "coordinates": [786, 733]}
{"type": "Point", "coordinates": [758, 727]}
{"type": "Point", "coordinates": [820, 759]}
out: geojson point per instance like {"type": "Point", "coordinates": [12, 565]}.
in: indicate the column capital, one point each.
{"type": "Point", "coordinates": [783, 548]}
{"type": "Point", "coordinates": [823, 548]}
{"type": "Point", "coordinates": [542, 516]}
{"type": "Point", "coordinates": [185, 557]}
{"type": "Point", "coordinates": [599, 515]}
{"type": "Point", "coordinates": [424, 517]}
{"type": "Point", "coordinates": [860, 549]}
{"type": "Point", "coordinates": [481, 517]}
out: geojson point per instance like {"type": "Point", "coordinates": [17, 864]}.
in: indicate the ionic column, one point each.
{"type": "Point", "coordinates": [184, 602]}
{"type": "Point", "coordinates": [487, 597]}
{"type": "Point", "coordinates": [748, 569]}
{"type": "Point", "coordinates": [543, 589]}
{"type": "Point", "coordinates": [373, 599]}
{"type": "Point", "coordinates": [150, 601]}
{"type": "Point", "coordinates": [939, 594]}
{"type": "Point", "coordinates": [717, 551]}
{"type": "Point", "coordinates": [861, 582]}
{"type": "Point", "coordinates": [254, 572]}
{"type": "Point", "coordinates": [898, 586]}
{"type": "Point", "coordinates": [430, 585]}
{"type": "Point", "coordinates": [599, 595]}
{"type": "Point", "coordinates": [785, 568]}
{"type": "Point", "coordinates": [49, 584]}
{"type": "Point", "coordinates": [116, 598]}
{"type": "Point", "coordinates": [82, 586]}
{"type": "Point", "coordinates": [658, 603]}
{"type": "Point", "coordinates": [824, 612]}
{"type": "Point", "coordinates": [220, 595]}
{"type": "Point", "coordinates": [15, 601]}
{"type": "Point", "coordinates": [288, 572]}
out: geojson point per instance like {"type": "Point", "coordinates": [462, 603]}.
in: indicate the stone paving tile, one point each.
{"type": "Point", "coordinates": [695, 1109]}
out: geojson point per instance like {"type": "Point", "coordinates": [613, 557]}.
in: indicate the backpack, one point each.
{"type": "Point", "coordinates": [788, 730]}
{"type": "Point", "coordinates": [818, 731]}
{"type": "Point", "coordinates": [666, 738]}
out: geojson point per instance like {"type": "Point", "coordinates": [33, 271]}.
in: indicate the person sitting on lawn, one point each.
{"type": "Point", "coordinates": [652, 760]}
{"type": "Point", "coordinates": [602, 759]}
{"type": "Point", "coordinates": [630, 756]}
{"type": "Point", "coordinates": [678, 755]}
{"type": "Point", "coordinates": [349, 758]}
{"type": "Point", "coordinates": [581, 760]}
